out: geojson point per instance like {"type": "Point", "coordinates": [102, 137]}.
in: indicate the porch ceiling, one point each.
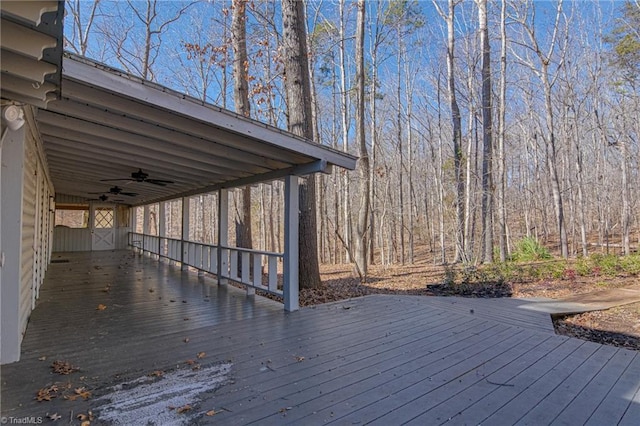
{"type": "Point", "coordinates": [109, 124]}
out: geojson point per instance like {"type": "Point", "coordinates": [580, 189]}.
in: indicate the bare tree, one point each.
{"type": "Point", "coordinates": [487, 135]}
{"type": "Point", "coordinates": [81, 29]}
{"type": "Point", "coordinates": [300, 122]}
{"type": "Point", "coordinates": [363, 162]}
{"type": "Point", "coordinates": [548, 81]}
{"type": "Point", "coordinates": [456, 121]}
{"type": "Point", "coordinates": [502, 176]}
{"type": "Point", "coordinates": [137, 52]}
{"type": "Point", "coordinates": [241, 99]}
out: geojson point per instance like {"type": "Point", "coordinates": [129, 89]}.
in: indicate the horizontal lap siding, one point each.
{"type": "Point", "coordinates": [37, 228]}
{"type": "Point", "coordinates": [29, 202]}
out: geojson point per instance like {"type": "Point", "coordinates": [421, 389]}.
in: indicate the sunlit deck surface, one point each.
{"type": "Point", "coordinates": [382, 359]}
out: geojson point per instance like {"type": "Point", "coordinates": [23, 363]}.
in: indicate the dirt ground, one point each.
{"type": "Point", "coordinates": [619, 326]}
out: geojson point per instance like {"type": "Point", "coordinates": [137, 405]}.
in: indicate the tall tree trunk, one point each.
{"type": "Point", "coordinates": [344, 110]}
{"type": "Point", "coordinates": [551, 159]}
{"type": "Point", "coordinates": [363, 161]}
{"type": "Point", "coordinates": [502, 177]}
{"type": "Point", "coordinates": [487, 135]}
{"type": "Point", "coordinates": [300, 122]}
{"type": "Point", "coordinates": [241, 100]}
{"type": "Point", "coordinates": [400, 146]}
{"type": "Point", "coordinates": [456, 121]}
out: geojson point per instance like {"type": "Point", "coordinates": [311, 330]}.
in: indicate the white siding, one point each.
{"type": "Point", "coordinates": [36, 227]}
{"type": "Point", "coordinates": [27, 257]}
{"type": "Point", "coordinates": [70, 239]}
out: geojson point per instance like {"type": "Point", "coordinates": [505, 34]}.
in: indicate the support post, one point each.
{"type": "Point", "coordinates": [145, 227]}
{"type": "Point", "coordinates": [11, 191]}
{"type": "Point", "coordinates": [290, 267]}
{"type": "Point", "coordinates": [223, 235]}
{"type": "Point", "coordinates": [162, 228]}
{"type": "Point", "coordinates": [184, 236]}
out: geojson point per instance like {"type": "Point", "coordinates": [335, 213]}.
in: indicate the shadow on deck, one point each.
{"type": "Point", "coordinates": [173, 348]}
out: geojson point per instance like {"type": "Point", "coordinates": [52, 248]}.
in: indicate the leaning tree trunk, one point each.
{"type": "Point", "coordinates": [300, 122]}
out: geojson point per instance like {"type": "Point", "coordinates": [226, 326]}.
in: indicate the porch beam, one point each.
{"type": "Point", "coordinates": [290, 267]}
{"type": "Point", "coordinates": [318, 166]}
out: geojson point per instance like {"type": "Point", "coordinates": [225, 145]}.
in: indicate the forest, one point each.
{"type": "Point", "coordinates": [477, 122]}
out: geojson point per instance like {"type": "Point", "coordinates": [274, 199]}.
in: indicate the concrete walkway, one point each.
{"type": "Point", "coordinates": [594, 301]}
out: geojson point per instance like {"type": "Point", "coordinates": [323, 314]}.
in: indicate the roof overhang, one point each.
{"type": "Point", "coordinates": [31, 50]}
{"type": "Point", "coordinates": [109, 124]}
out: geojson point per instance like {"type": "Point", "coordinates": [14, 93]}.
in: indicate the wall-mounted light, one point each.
{"type": "Point", "coordinates": [13, 117]}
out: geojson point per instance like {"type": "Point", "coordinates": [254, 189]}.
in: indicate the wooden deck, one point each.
{"type": "Point", "coordinates": [379, 359]}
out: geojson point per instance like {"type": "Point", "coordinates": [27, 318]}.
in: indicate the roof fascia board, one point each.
{"type": "Point", "coordinates": [169, 100]}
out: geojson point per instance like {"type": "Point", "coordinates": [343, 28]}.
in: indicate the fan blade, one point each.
{"type": "Point", "coordinates": [128, 194]}
{"type": "Point", "coordinates": [117, 180]}
{"type": "Point", "coordinates": [159, 181]}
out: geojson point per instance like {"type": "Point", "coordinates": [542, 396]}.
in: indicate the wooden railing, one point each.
{"type": "Point", "coordinates": [254, 268]}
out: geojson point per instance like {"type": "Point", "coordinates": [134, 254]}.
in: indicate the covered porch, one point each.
{"type": "Point", "coordinates": [154, 343]}
{"type": "Point", "coordinates": [112, 144]}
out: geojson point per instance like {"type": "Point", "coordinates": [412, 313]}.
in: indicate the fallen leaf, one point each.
{"type": "Point", "coordinates": [186, 319]}
{"type": "Point", "coordinates": [63, 367]}
{"type": "Point", "coordinates": [201, 355]}
{"type": "Point", "coordinates": [186, 340]}
{"type": "Point", "coordinates": [195, 367]}
{"type": "Point", "coordinates": [170, 407]}
{"type": "Point", "coordinates": [46, 394]}
{"type": "Point", "coordinates": [190, 362]}
{"type": "Point", "coordinates": [42, 358]}
{"type": "Point", "coordinates": [82, 393]}
{"type": "Point", "coordinates": [157, 373]}
{"type": "Point", "coordinates": [85, 423]}
{"type": "Point", "coordinates": [85, 417]}
{"type": "Point", "coordinates": [54, 416]}
{"type": "Point", "coordinates": [211, 413]}
{"type": "Point", "coordinates": [101, 307]}
{"type": "Point", "coordinates": [299, 358]}
{"type": "Point", "coordinates": [184, 409]}
{"type": "Point", "coordinates": [151, 290]}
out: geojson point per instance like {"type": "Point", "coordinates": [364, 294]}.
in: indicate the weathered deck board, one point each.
{"type": "Point", "coordinates": [381, 359]}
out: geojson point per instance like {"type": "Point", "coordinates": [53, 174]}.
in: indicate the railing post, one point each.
{"type": "Point", "coordinates": [184, 236]}
{"type": "Point", "coordinates": [223, 234]}
{"type": "Point", "coordinates": [290, 267]}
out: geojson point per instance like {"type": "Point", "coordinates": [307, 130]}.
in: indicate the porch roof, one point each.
{"type": "Point", "coordinates": [109, 124]}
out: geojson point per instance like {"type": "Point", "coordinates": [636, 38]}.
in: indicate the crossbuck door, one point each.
{"type": "Point", "coordinates": [103, 236]}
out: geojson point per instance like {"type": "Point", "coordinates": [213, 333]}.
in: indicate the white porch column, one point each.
{"type": "Point", "coordinates": [223, 235]}
{"type": "Point", "coordinates": [162, 228]}
{"type": "Point", "coordinates": [11, 186]}
{"type": "Point", "coordinates": [185, 232]}
{"type": "Point", "coordinates": [134, 219]}
{"type": "Point", "coordinates": [145, 227]}
{"type": "Point", "coordinates": [290, 268]}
